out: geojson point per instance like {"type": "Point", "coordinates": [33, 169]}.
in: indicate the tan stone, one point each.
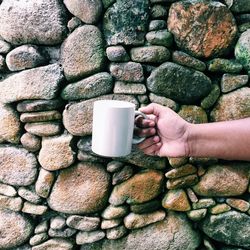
{"type": "Point", "coordinates": [40, 116]}
{"type": "Point", "coordinates": [220, 208]}
{"type": "Point", "coordinates": [239, 204]}
{"type": "Point", "coordinates": [182, 182]}
{"type": "Point", "coordinates": [176, 200]}
{"type": "Point", "coordinates": [187, 169]}
{"type": "Point", "coordinates": [193, 114]}
{"type": "Point", "coordinates": [30, 208]}
{"type": "Point", "coordinates": [61, 244]}
{"type": "Point", "coordinates": [11, 203]}
{"type": "Point", "coordinates": [197, 215]}
{"type": "Point", "coordinates": [176, 162]}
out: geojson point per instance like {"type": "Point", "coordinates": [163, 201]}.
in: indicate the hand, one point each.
{"type": "Point", "coordinates": [167, 132]}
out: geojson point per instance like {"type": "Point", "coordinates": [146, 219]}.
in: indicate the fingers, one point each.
{"type": "Point", "coordinates": [153, 150]}
{"type": "Point", "coordinates": [149, 142]}
{"type": "Point", "coordinates": [146, 132]}
{"type": "Point", "coordinates": [145, 123]}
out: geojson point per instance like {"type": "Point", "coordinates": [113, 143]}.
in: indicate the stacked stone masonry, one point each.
{"type": "Point", "coordinates": [57, 58]}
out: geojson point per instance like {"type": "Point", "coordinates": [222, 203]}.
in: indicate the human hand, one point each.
{"type": "Point", "coordinates": [167, 132]}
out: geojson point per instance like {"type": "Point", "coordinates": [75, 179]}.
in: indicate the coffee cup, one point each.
{"type": "Point", "coordinates": [113, 127]}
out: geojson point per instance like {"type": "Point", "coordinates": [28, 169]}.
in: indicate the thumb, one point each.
{"type": "Point", "coordinates": [152, 108]}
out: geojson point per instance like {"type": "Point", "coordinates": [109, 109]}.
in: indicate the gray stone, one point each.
{"type": "Point", "coordinates": [93, 86]}
{"type": "Point", "coordinates": [10, 125]}
{"type": "Point", "coordinates": [150, 54]}
{"type": "Point", "coordinates": [24, 57]}
{"type": "Point", "coordinates": [2, 63]}
{"type": "Point", "coordinates": [38, 239]}
{"type": "Point", "coordinates": [82, 53]}
{"type": "Point", "coordinates": [61, 244]}
{"type": "Point", "coordinates": [31, 142]}
{"type": "Point", "coordinates": [197, 215]}
{"type": "Point", "coordinates": [42, 83]}
{"type": "Point", "coordinates": [29, 194]}
{"type": "Point", "coordinates": [157, 25]}
{"type": "Point", "coordinates": [232, 106]}
{"type": "Point", "coordinates": [77, 117]}
{"type": "Point", "coordinates": [146, 207]}
{"type": "Point", "coordinates": [129, 88]}
{"type": "Point", "coordinates": [58, 222]}
{"type": "Point", "coordinates": [107, 224]}
{"type": "Point", "coordinates": [232, 82]}
{"type": "Point", "coordinates": [39, 105]}
{"type": "Point", "coordinates": [4, 47]}
{"type": "Point", "coordinates": [52, 52]}
{"type": "Point", "coordinates": [211, 98]}
{"type": "Point", "coordinates": [18, 166]}
{"type": "Point", "coordinates": [83, 223]}
{"type": "Point", "coordinates": [46, 25]}
{"type": "Point", "coordinates": [128, 72]}
{"type": "Point", "coordinates": [64, 233]}
{"type": "Point", "coordinates": [160, 37]}
{"type": "Point", "coordinates": [175, 232]}
{"type": "Point", "coordinates": [116, 233]}
{"type": "Point", "coordinates": [43, 128]}
{"type": "Point", "coordinates": [238, 6]}
{"type": "Point", "coordinates": [56, 152]}
{"type": "Point", "coordinates": [80, 197]}
{"type": "Point", "coordinates": [15, 229]}
{"type": "Point", "coordinates": [224, 66]}
{"type": "Point", "coordinates": [42, 227]}
{"type": "Point", "coordinates": [232, 228]}
{"type": "Point", "coordinates": [11, 203]}
{"type": "Point", "coordinates": [40, 116]}
{"type": "Point", "coordinates": [88, 11]}
{"type": "Point", "coordinates": [117, 54]}
{"type": "Point", "coordinates": [7, 190]}
{"type": "Point", "coordinates": [114, 166]}
{"type": "Point", "coordinates": [30, 208]}
{"type": "Point", "coordinates": [158, 11]}
{"type": "Point", "coordinates": [114, 212]}
{"type": "Point", "coordinates": [73, 23]}
{"type": "Point", "coordinates": [204, 203]}
{"type": "Point", "coordinates": [89, 237]}
{"type": "Point", "coordinates": [164, 101]}
{"type": "Point", "coordinates": [121, 24]}
{"type": "Point", "coordinates": [125, 173]}
{"type": "Point", "coordinates": [179, 83]}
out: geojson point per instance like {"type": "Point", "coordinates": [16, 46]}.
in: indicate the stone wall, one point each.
{"type": "Point", "coordinates": [58, 57]}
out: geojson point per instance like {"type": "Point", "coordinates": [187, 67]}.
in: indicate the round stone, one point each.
{"type": "Point", "coordinates": [31, 142]}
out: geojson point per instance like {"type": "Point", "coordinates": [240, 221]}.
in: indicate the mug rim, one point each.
{"type": "Point", "coordinates": [115, 104]}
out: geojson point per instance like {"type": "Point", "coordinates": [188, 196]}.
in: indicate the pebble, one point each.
{"type": "Point", "coordinates": [205, 161]}
{"type": "Point", "coordinates": [31, 142]}
{"type": "Point", "coordinates": [63, 233]}
{"type": "Point", "coordinates": [219, 208]}
{"type": "Point", "coordinates": [143, 99]}
{"type": "Point", "coordinates": [44, 183]}
{"type": "Point", "coordinates": [29, 195]}
{"type": "Point", "coordinates": [157, 25]}
{"type": "Point", "coordinates": [38, 239]}
{"type": "Point", "coordinates": [58, 223]}
{"type": "Point", "coordinates": [117, 54]}
{"type": "Point", "coordinates": [42, 227]}
{"type": "Point", "coordinates": [5, 47]}
{"type": "Point", "coordinates": [2, 63]}
{"type": "Point", "coordinates": [124, 174]}
{"type": "Point", "coordinates": [184, 170]}
{"type": "Point", "coordinates": [182, 182]}
{"type": "Point", "coordinates": [164, 101]}
{"type": "Point", "coordinates": [176, 162]}
{"type": "Point", "coordinates": [197, 215]}
{"type": "Point", "coordinates": [73, 23]}
{"type": "Point", "coordinates": [30, 208]}
{"type": "Point", "coordinates": [211, 98]}
{"type": "Point", "coordinates": [204, 203]}
{"type": "Point", "coordinates": [83, 156]}
{"type": "Point", "coordinates": [7, 190]}
{"type": "Point", "coordinates": [116, 233]}
{"type": "Point", "coordinates": [40, 116]}
{"type": "Point", "coordinates": [129, 88]}
{"type": "Point", "coordinates": [43, 128]}
{"type": "Point", "coordinates": [158, 11]}
{"type": "Point", "coordinates": [238, 204]}
{"type": "Point", "coordinates": [134, 221]}
{"type": "Point", "coordinates": [224, 66]}
{"type": "Point", "coordinates": [107, 224]}
{"type": "Point", "coordinates": [160, 37]}
{"type": "Point", "coordinates": [89, 237]}
{"type": "Point", "coordinates": [231, 82]}
{"type": "Point", "coordinates": [61, 244]}
{"type": "Point", "coordinates": [83, 223]}
{"type": "Point", "coordinates": [191, 195]}
{"type": "Point", "coordinates": [146, 207]}
{"type": "Point", "coordinates": [11, 203]}
{"type": "Point", "coordinates": [114, 212]}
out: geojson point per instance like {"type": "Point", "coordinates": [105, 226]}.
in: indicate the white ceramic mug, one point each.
{"type": "Point", "coordinates": [113, 126]}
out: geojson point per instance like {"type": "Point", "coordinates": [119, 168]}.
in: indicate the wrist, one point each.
{"type": "Point", "coordinates": [191, 140]}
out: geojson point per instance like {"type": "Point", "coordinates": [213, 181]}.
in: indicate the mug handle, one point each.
{"type": "Point", "coordinates": [141, 139]}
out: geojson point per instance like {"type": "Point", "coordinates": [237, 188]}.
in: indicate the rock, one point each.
{"type": "Point", "coordinates": [58, 223]}
{"type": "Point", "coordinates": [107, 3]}
{"type": "Point", "coordinates": [116, 233]}
{"type": "Point", "coordinates": [150, 54]}
{"type": "Point", "coordinates": [46, 25]}
{"type": "Point", "coordinates": [61, 244]}
{"type": "Point", "coordinates": [158, 11]}
{"type": "Point", "coordinates": [181, 171]}
{"type": "Point", "coordinates": [43, 129]}
{"type": "Point", "coordinates": [11, 203]}
{"type": "Point", "coordinates": [232, 82]}
{"type": "Point", "coordinates": [88, 11]}
{"type": "Point", "coordinates": [194, 34]}
{"type": "Point", "coordinates": [242, 49]}
{"type": "Point", "coordinates": [238, 6]}
{"type": "Point", "coordinates": [193, 114]}
{"type": "Point", "coordinates": [224, 66]}
{"type": "Point", "coordinates": [83, 223]}
{"type": "Point", "coordinates": [204, 203]}
{"type": "Point", "coordinates": [211, 98]}
{"type": "Point", "coordinates": [80, 197]}
{"type": "Point", "coordinates": [157, 25]}
{"type": "Point", "coordinates": [93, 86]}
{"type": "Point", "coordinates": [143, 99]}
{"type": "Point", "coordinates": [146, 207]}
{"type": "Point", "coordinates": [114, 166]}
{"type": "Point", "coordinates": [164, 101]}
{"type": "Point", "coordinates": [182, 182]}
{"type": "Point", "coordinates": [174, 232]}
{"type": "Point", "coordinates": [2, 64]}
{"type": "Point", "coordinates": [134, 221]}
{"type": "Point", "coordinates": [29, 195]}
{"type": "Point", "coordinates": [191, 195]}
{"type": "Point", "coordinates": [4, 47]}
{"type": "Point", "coordinates": [129, 88]}
{"type": "Point", "coordinates": [18, 166]}
{"type": "Point", "coordinates": [31, 142]}
{"type": "Point", "coordinates": [7, 190]}
{"type": "Point", "coordinates": [224, 180]}
{"type": "Point", "coordinates": [89, 237]}
{"type": "Point", "coordinates": [9, 124]}
{"type": "Point", "coordinates": [56, 152]}
{"type": "Point", "coordinates": [176, 200]}
{"type": "Point", "coordinates": [140, 188]}
{"type": "Point", "coordinates": [184, 59]}
{"type": "Point", "coordinates": [15, 229]}
{"type": "Point", "coordinates": [30, 208]}
{"type": "Point", "coordinates": [38, 239]}
{"type": "Point", "coordinates": [232, 106]}
{"type": "Point", "coordinates": [122, 26]}
{"type": "Point", "coordinates": [231, 228]}
{"type": "Point", "coordinates": [44, 183]}
{"type": "Point", "coordinates": [42, 227]}
{"type": "Point", "coordinates": [107, 224]}
{"type": "Point", "coordinates": [220, 208]}
{"type": "Point", "coordinates": [82, 53]}
{"type": "Point", "coordinates": [160, 37]}
{"type": "Point", "coordinates": [77, 117]}
{"type": "Point", "coordinates": [197, 215]}
{"type": "Point", "coordinates": [73, 23]}
{"type": "Point", "coordinates": [117, 54]}
{"type": "Point", "coordinates": [238, 204]}
{"type": "Point", "coordinates": [65, 233]}
{"type": "Point", "coordinates": [40, 116]}
{"type": "Point", "coordinates": [39, 105]}
{"type": "Point", "coordinates": [128, 72]}
{"type": "Point", "coordinates": [179, 83]}
{"type": "Point", "coordinates": [42, 83]}
{"type": "Point", "coordinates": [114, 212]}
{"type": "Point", "coordinates": [176, 162]}
{"type": "Point", "coordinates": [24, 57]}
{"type": "Point", "coordinates": [122, 175]}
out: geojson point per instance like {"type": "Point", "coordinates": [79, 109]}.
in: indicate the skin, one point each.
{"type": "Point", "coordinates": [168, 135]}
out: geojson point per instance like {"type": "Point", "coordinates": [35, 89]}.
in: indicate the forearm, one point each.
{"type": "Point", "coordinates": [225, 140]}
